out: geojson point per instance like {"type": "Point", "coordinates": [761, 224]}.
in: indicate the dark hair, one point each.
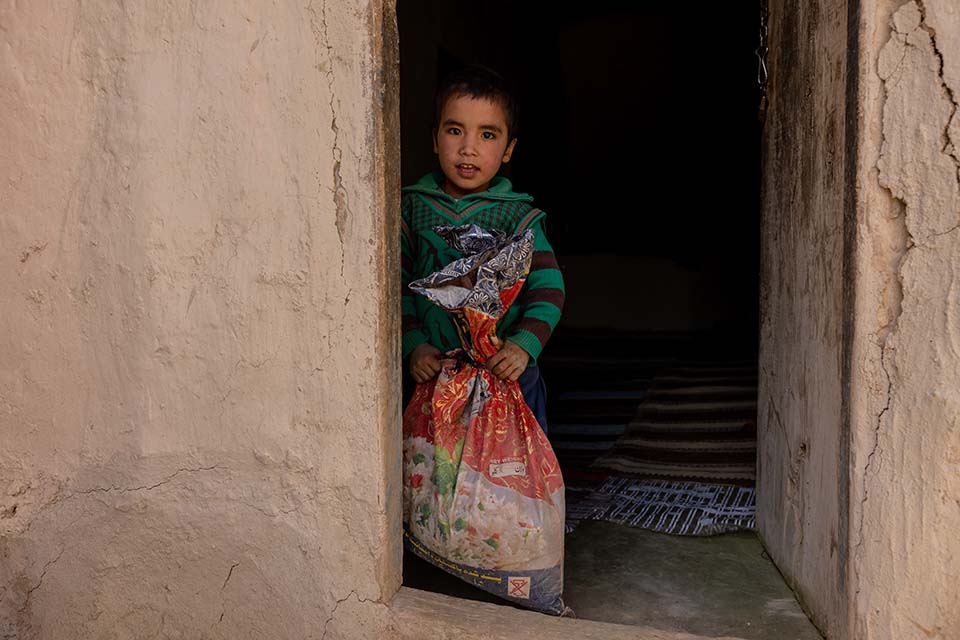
{"type": "Point", "coordinates": [478, 81]}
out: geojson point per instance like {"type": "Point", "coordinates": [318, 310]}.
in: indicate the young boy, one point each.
{"type": "Point", "coordinates": [475, 127]}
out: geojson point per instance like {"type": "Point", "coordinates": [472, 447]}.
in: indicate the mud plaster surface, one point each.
{"type": "Point", "coordinates": [799, 410]}
{"type": "Point", "coordinates": [195, 402]}
{"type": "Point", "coordinates": [906, 421]}
{"type": "Point", "coordinates": [193, 422]}
{"type": "Point", "coordinates": [888, 567]}
{"type": "Point", "coordinates": [198, 411]}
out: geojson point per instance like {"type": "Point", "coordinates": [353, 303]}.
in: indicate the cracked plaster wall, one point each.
{"type": "Point", "coordinates": [800, 442]}
{"type": "Point", "coordinates": [905, 466]}
{"type": "Point", "coordinates": [197, 405]}
{"type": "Point", "coordinates": [195, 346]}
{"type": "Point", "coordinates": [859, 403]}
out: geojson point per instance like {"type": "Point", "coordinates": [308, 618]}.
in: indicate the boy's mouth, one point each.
{"type": "Point", "coordinates": [467, 170]}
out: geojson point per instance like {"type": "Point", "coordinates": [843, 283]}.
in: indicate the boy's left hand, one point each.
{"type": "Point", "coordinates": [509, 362]}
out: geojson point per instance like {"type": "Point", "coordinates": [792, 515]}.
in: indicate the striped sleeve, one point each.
{"type": "Point", "coordinates": [541, 298]}
{"type": "Point", "coordinates": [413, 334]}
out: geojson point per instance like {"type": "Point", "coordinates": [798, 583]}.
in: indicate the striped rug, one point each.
{"type": "Point", "coordinates": [595, 382]}
{"type": "Point", "coordinates": [695, 424]}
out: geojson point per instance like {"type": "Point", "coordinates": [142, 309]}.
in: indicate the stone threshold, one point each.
{"type": "Point", "coordinates": [416, 614]}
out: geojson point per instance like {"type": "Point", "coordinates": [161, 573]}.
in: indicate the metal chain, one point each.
{"type": "Point", "coordinates": [761, 52]}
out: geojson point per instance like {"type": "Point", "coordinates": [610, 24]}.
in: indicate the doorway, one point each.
{"type": "Point", "coordinates": [640, 139]}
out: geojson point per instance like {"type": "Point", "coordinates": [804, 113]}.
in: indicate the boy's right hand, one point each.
{"type": "Point", "coordinates": [425, 362]}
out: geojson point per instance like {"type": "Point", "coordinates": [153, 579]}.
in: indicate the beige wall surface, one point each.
{"type": "Point", "coordinates": [905, 466]}
{"type": "Point", "coordinates": [198, 346]}
{"type": "Point", "coordinates": [197, 397]}
{"type": "Point", "coordinates": [799, 422]}
{"type": "Point", "coordinates": [861, 341]}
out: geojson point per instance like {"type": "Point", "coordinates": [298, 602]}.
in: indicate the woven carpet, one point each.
{"type": "Point", "coordinates": [686, 463]}
{"type": "Point", "coordinates": [654, 430]}
{"type": "Point", "coordinates": [595, 382]}
{"type": "Point", "coordinates": [678, 508]}
{"type": "Point", "coordinates": [695, 424]}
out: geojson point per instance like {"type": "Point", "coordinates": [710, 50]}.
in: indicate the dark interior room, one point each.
{"type": "Point", "coordinates": [638, 136]}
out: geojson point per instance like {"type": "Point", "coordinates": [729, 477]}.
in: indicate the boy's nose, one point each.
{"type": "Point", "coordinates": [469, 146]}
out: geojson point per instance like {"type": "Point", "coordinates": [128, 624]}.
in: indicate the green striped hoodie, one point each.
{"type": "Point", "coordinates": [424, 205]}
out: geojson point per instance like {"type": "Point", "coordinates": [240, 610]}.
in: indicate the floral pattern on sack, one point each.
{"type": "Point", "coordinates": [482, 486]}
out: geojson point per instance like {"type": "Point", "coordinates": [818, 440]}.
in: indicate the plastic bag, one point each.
{"type": "Point", "coordinates": [482, 491]}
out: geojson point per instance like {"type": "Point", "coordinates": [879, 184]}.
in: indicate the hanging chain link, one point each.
{"type": "Point", "coordinates": [761, 52]}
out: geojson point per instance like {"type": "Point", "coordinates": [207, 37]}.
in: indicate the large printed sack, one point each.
{"type": "Point", "coordinates": [483, 496]}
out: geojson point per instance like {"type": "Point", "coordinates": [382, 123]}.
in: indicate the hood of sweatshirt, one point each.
{"type": "Point", "coordinates": [500, 189]}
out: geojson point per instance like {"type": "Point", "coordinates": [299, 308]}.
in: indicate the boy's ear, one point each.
{"type": "Point", "coordinates": [509, 150]}
{"type": "Point", "coordinates": [436, 149]}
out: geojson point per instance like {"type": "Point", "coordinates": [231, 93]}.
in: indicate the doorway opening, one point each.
{"type": "Point", "coordinates": [640, 139]}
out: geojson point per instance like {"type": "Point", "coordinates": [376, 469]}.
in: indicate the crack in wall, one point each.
{"type": "Point", "coordinates": [892, 77]}
{"type": "Point", "coordinates": [875, 449]}
{"type": "Point", "coordinates": [948, 231]}
{"type": "Point", "coordinates": [885, 334]}
{"type": "Point", "coordinates": [223, 610]}
{"type": "Point", "coordinates": [259, 509]}
{"type": "Point", "coordinates": [297, 508]}
{"type": "Point", "coordinates": [889, 80]}
{"type": "Point", "coordinates": [149, 487]}
{"type": "Point", "coordinates": [911, 32]}
{"type": "Point", "coordinates": [333, 612]}
{"type": "Point", "coordinates": [229, 575]}
{"type": "Point", "coordinates": [43, 574]}
{"type": "Point", "coordinates": [947, 146]}
{"type": "Point", "coordinates": [340, 200]}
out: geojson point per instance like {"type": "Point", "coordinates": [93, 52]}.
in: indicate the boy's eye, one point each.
{"type": "Point", "coordinates": [488, 135]}
{"type": "Point", "coordinates": [453, 131]}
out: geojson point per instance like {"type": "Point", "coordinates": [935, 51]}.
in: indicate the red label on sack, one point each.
{"type": "Point", "coordinates": [518, 587]}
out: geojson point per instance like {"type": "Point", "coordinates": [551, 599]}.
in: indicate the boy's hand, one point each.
{"type": "Point", "coordinates": [425, 362]}
{"type": "Point", "coordinates": [509, 362]}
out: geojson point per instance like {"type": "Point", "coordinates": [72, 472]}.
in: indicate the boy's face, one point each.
{"type": "Point", "coordinates": [471, 142]}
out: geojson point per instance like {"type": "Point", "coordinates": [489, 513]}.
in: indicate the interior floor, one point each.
{"type": "Point", "coordinates": [712, 586]}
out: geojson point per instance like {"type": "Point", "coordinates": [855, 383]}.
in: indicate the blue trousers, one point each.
{"type": "Point", "coordinates": [535, 394]}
